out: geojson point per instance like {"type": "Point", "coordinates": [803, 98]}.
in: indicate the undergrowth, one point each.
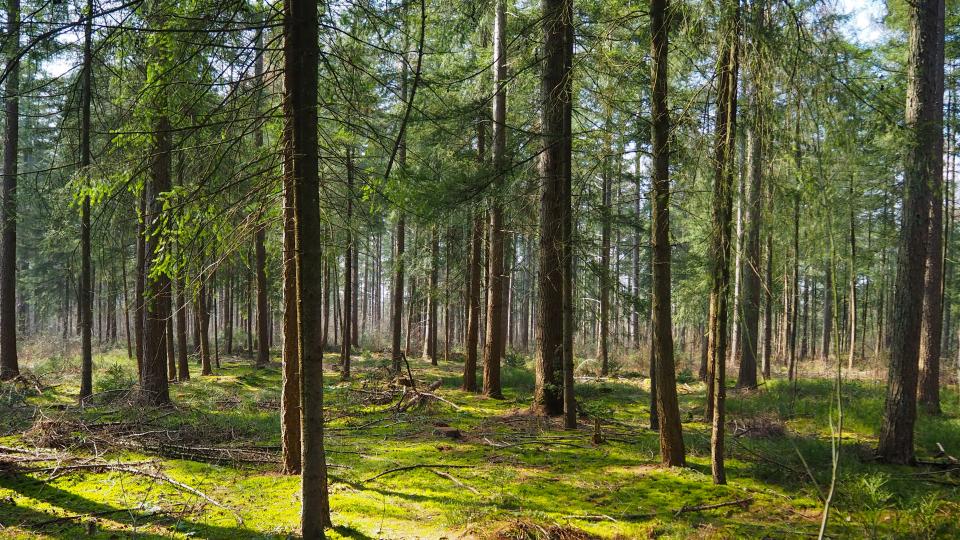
{"type": "Point", "coordinates": [507, 475]}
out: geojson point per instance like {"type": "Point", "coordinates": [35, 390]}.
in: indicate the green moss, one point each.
{"type": "Point", "coordinates": [560, 477]}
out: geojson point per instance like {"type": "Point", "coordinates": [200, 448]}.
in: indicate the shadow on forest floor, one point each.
{"type": "Point", "coordinates": [491, 464]}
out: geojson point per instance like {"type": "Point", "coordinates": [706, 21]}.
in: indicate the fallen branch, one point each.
{"type": "Point", "coordinates": [179, 485]}
{"type": "Point", "coordinates": [419, 466]}
{"type": "Point", "coordinates": [743, 503]}
{"type": "Point", "coordinates": [455, 480]}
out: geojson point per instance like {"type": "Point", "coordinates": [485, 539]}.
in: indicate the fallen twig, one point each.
{"type": "Point", "coordinates": [743, 503]}
{"type": "Point", "coordinates": [455, 480]}
{"type": "Point", "coordinates": [418, 466]}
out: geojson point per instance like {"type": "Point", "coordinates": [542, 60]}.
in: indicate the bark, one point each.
{"type": "Point", "coordinates": [768, 306]}
{"type": "Point", "coordinates": [301, 56]}
{"type": "Point", "coordinates": [154, 388]}
{"type": "Point", "coordinates": [203, 325]}
{"type": "Point", "coordinates": [396, 315]}
{"type": "Point", "coordinates": [86, 294]}
{"type": "Point", "coordinates": [171, 349]}
{"type": "Point", "coordinates": [750, 279]}
{"type": "Point", "coordinates": [433, 291]}
{"type": "Point", "coordinates": [549, 394]}
{"type": "Point", "coordinates": [827, 329]}
{"type": "Point", "coordinates": [260, 251]}
{"type": "Point", "coordinates": [263, 309]}
{"type": "Point", "coordinates": [348, 304]}
{"type": "Point", "coordinates": [668, 411]}
{"type": "Point", "coordinates": [923, 164]}
{"type": "Point", "coordinates": [473, 301]}
{"type": "Point", "coordinates": [493, 348]}
{"type": "Point", "coordinates": [183, 366]}
{"type": "Point", "coordinates": [932, 314]}
{"type": "Point", "coordinates": [728, 64]}
{"type": "Point", "coordinates": [290, 387]}
{"type": "Point", "coordinates": [9, 364]}
{"type": "Point", "coordinates": [604, 282]}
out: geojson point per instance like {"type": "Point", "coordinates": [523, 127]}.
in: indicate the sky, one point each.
{"type": "Point", "coordinates": [866, 19]}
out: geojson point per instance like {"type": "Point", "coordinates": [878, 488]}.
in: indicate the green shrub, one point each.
{"type": "Point", "coordinates": [114, 379]}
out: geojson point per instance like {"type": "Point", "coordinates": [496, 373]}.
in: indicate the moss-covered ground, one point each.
{"type": "Point", "coordinates": [509, 475]}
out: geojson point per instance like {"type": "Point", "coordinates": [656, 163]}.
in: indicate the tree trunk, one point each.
{"type": "Point", "coordinates": [263, 309]}
{"type": "Point", "coordinates": [668, 411]}
{"type": "Point", "coordinates": [9, 364]}
{"type": "Point", "coordinates": [473, 296]}
{"type": "Point", "coordinates": [932, 314]}
{"type": "Point", "coordinates": [750, 280]}
{"type": "Point", "coordinates": [348, 306]}
{"type": "Point", "coordinates": [604, 282]}
{"type": "Point", "coordinates": [154, 387]}
{"type": "Point", "coordinates": [301, 56]}
{"type": "Point", "coordinates": [494, 341]}
{"type": "Point", "coordinates": [290, 387]}
{"type": "Point", "coordinates": [728, 64]}
{"type": "Point", "coordinates": [183, 366]}
{"type": "Point", "coordinates": [86, 294]}
{"type": "Point", "coordinates": [549, 395]}
{"type": "Point", "coordinates": [923, 167]}
{"type": "Point", "coordinates": [203, 325]}
{"type": "Point", "coordinates": [827, 330]}
{"type": "Point", "coordinates": [433, 292]}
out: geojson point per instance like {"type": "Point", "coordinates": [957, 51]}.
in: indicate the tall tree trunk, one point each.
{"type": "Point", "coordinates": [932, 314]}
{"type": "Point", "coordinates": [9, 364]}
{"type": "Point", "coordinates": [473, 288]}
{"type": "Point", "coordinates": [768, 305]}
{"type": "Point", "coordinates": [183, 366]}
{"type": "Point", "coordinates": [750, 280]}
{"type": "Point", "coordinates": [290, 386]}
{"type": "Point", "coordinates": [348, 304]}
{"type": "Point", "coordinates": [171, 349]}
{"type": "Point", "coordinates": [827, 330]}
{"type": "Point", "coordinates": [355, 294]}
{"type": "Point", "coordinates": [923, 168]}
{"type": "Point", "coordinates": [203, 324]}
{"type": "Point", "coordinates": [231, 308]}
{"type": "Point", "coordinates": [494, 341]}
{"type": "Point", "coordinates": [86, 295]}
{"type": "Point", "coordinates": [604, 283]}
{"type": "Point", "coordinates": [396, 315]}
{"type": "Point", "coordinates": [154, 387]}
{"type": "Point", "coordinates": [728, 64]}
{"type": "Point", "coordinates": [263, 309]}
{"type": "Point", "coordinates": [126, 303]}
{"type": "Point", "coordinates": [433, 293]}
{"type": "Point", "coordinates": [301, 57]}
{"type": "Point", "coordinates": [549, 395]}
{"type": "Point", "coordinates": [668, 411]}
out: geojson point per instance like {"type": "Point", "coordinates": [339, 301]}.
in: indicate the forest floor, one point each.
{"type": "Point", "coordinates": [475, 467]}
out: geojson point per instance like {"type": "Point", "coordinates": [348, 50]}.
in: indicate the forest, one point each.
{"type": "Point", "coordinates": [479, 269]}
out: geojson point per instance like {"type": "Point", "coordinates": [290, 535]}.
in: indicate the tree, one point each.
{"type": "Point", "coordinates": [348, 307]}
{"type": "Point", "coordinates": [260, 238]}
{"type": "Point", "coordinates": [923, 167]}
{"type": "Point", "coordinates": [753, 215]}
{"type": "Point", "coordinates": [555, 333]}
{"type": "Point", "coordinates": [9, 365]}
{"type": "Point", "coordinates": [473, 287]}
{"type": "Point", "coordinates": [301, 55]}
{"type": "Point", "coordinates": [725, 136]}
{"type": "Point", "coordinates": [668, 410]}
{"type": "Point", "coordinates": [494, 342]}
{"type": "Point", "coordinates": [86, 293]}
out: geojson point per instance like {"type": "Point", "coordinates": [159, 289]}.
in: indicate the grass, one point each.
{"type": "Point", "coordinates": [555, 478]}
